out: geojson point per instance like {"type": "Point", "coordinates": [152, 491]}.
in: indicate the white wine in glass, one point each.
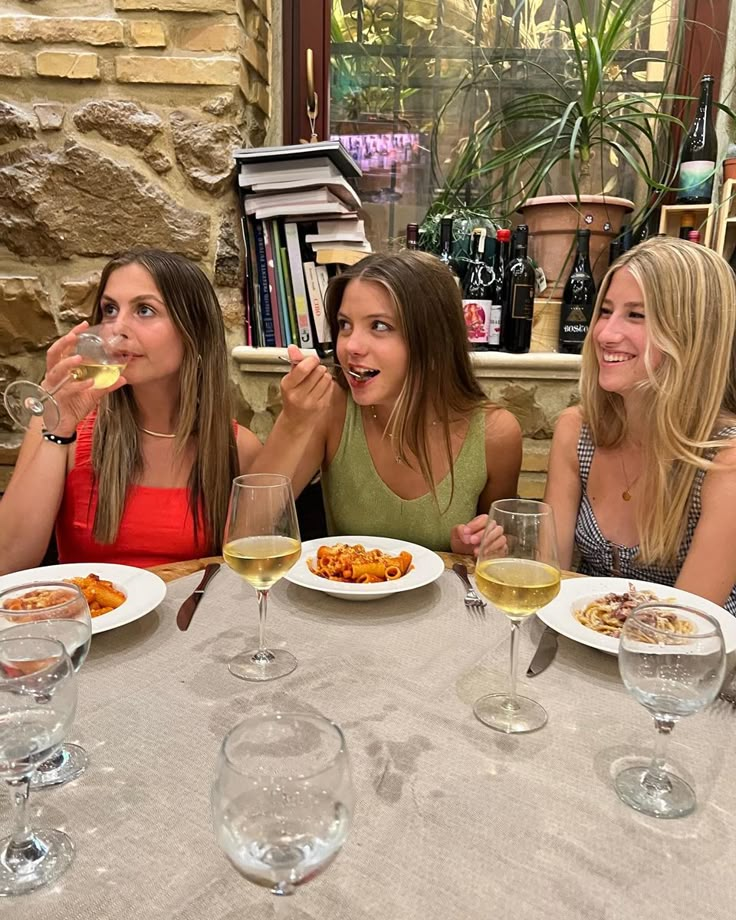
{"type": "Point", "coordinates": [101, 351]}
{"type": "Point", "coordinates": [262, 543]}
{"type": "Point", "coordinates": [518, 574]}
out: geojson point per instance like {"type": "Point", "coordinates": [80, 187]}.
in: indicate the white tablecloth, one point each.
{"type": "Point", "coordinates": [453, 820]}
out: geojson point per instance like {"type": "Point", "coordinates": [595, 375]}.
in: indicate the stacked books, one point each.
{"type": "Point", "coordinates": [300, 226]}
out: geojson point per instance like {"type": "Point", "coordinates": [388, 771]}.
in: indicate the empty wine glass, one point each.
{"type": "Point", "coordinates": [262, 543]}
{"type": "Point", "coordinates": [518, 573]}
{"type": "Point", "coordinates": [282, 798]}
{"type": "Point", "coordinates": [38, 699]}
{"type": "Point", "coordinates": [52, 610]}
{"type": "Point", "coordinates": [673, 675]}
{"type": "Point", "coordinates": [102, 362]}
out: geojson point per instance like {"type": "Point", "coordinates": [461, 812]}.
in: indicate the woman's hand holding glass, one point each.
{"type": "Point", "coordinates": [262, 543]}
{"type": "Point", "coordinates": [282, 799]}
{"type": "Point", "coordinates": [80, 368]}
{"type": "Point", "coordinates": [38, 699]}
{"type": "Point", "coordinates": [673, 675]}
{"type": "Point", "coordinates": [58, 611]}
{"type": "Point", "coordinates": [518, 571]}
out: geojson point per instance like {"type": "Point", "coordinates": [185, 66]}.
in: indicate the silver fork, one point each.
{"type": "Point", "coordinates": [472, 601]}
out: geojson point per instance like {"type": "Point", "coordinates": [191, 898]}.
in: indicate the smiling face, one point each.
{"type": "Point", "coordinates": [133, 306]}
{"type": "Point", "coordinates": [370, 344]}
{"type": "Point", "coordinates": [621, 336]}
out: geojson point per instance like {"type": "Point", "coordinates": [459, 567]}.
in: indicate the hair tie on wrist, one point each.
{"type": "Point", "coordinates": [59, 439]}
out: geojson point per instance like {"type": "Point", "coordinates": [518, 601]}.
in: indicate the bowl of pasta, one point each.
{"type": "Point", "coordinates": [592, 610]}
{"type": "Point", "coordinates": [362, 568]}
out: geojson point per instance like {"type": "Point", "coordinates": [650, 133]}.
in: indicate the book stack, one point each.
{"type": "Point", "coordinates": [300, 226]}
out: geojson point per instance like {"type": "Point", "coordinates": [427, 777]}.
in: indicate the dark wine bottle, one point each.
{"type": "Point", "coordinates": [614, 250]}
{"type": "Point", "coordinates": [698, 159]}
{"type": "Point", "coordinates": [578, 299]}
{"type": "Point", "coordinates": [478, 291]}
{"type": "Point", "coordinates": [412, 236]}
{"type": "Point", "coordinates": [518, 313]}
{"type": "Point", "coordinates": [500, 271]}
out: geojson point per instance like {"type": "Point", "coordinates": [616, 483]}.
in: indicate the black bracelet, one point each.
{"type": "Point", "coordinates": [59, 439]}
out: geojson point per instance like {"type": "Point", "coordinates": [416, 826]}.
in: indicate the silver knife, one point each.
{"type": "Point", "coordinates": [545, 653]}
{"type": "Point", "coordinates": [186, 611]}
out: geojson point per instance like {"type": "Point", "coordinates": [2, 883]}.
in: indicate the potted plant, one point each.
{"type": "Point", "coordinates": [577, 117]}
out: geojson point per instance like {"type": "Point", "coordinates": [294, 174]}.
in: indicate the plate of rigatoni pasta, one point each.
{"type": "Point", "coordinates": [364, 568]}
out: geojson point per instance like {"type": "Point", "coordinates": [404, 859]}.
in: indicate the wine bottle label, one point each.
{"type": "Point", "coordinates": [696, 180]}
{"type": "Point", "coordinates": [540, 279]}
{"type": "Point", "coordinates": [522, 301]}
{"type": "Point", "coordinates": [494, 328]}
{"type": "Point", "coordinates": [477, 320]}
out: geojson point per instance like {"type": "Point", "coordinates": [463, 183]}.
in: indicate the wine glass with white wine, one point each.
{"type": "Point", "coordinates": [262, 543]}
{"type": "Point", "coordinates": [102, 361]}
{"type": "Point", "coordinates": [518, 574]}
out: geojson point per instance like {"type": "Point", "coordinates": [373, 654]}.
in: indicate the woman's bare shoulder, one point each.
{"type": "Point", "coordinates": [248, 448]}
{"type": "Point", "coordinates": [501, 425]}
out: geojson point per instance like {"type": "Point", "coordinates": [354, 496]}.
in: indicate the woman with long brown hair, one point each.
{"type": "Point", "coordinates": [408, 445]}
{"type": "Point", "coordinates": [642, 475]}
{"type": "Point", "coordinates": [139, 473]}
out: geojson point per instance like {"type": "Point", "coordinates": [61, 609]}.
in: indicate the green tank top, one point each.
{"type": "Point", "coordinates": [358, 501]}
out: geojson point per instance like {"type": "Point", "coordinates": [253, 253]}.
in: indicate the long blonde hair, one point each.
{"type": "Point", "coordinates": [204, 410]}
{"type": "Point", "coordinates": [689, 296]}
{"type": "Point", "coordinates": [439, 378]}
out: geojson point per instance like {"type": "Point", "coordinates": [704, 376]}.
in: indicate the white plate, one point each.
{"type": "Point", "coordinates": [559, 614]}
{"type": "Point", "coordinates": [144, 591]}
{"type": "Point", "coordinates": [427, 568]}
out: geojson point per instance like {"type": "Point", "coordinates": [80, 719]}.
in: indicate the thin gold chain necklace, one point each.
{"type": "Point", "coordinates": [626, 494]}
{"type": "Point", "coordinates": [155, 434]}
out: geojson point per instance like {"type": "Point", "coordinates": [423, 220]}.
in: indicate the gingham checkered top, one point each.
{"type": "Point", "coordinates": [600, 556]}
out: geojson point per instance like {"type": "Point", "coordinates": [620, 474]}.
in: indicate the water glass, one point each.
{"type": "Point", "coordinates": [282, 798]}
{"type": "Point", "coordinates": [51, 610]}
{"type": "Point", "coordinates": [38, 699]}
{"type": "Point", "coordinates": [672, 661]}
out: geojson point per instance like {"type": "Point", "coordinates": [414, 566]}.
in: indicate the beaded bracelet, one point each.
{"type": "Point", "coordinates": [59, 439]}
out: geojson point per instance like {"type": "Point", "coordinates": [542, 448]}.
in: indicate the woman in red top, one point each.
{"type": "Point", "coordinates": [139, 473]}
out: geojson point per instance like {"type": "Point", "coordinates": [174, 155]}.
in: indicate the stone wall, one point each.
{"type": "Point", "coordinates": [118, 119]}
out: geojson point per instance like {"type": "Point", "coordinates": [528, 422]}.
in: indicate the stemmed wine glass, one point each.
{"type": "Point", "coordinates": [673, 675]}
{"type": "Point", "coordinates": [518, 573]}
{"type": "Point", "coordinates": [282, 798]}
{"type": "Point", "coordinates": [102, 362]}
{"type": "Point", "coordinates": [38, 699]}
{"type": "Point", "coordinates": [51, 610]}
{"type": "Point", "coordinates": [262, 543]}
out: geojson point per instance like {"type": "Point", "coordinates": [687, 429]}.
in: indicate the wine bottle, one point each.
{"type": "Point", "coordinates": [412, 236]}
{"type": "Point", "coordinates": [614, 250]}
{"type": "Point", "coordinates": [477, 292]}
{"type": "Point", "coordinates": [698, 159]}
{"type": "Point", "coordinates": [578, 299]}
{"type": "Point", "coordinates": [518, 313]}
{"type": "Point", "coordinates": [446, 246]}
{"type": "Point", "coordinates": [500, 271]}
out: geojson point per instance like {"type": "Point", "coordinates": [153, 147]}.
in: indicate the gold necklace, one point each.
{"type": "Point", "coordinates": [397, 458]}
{"type": "Point", "coordinates": [155, 434]}
{"type": "Point", "coordinates": [626, 494]}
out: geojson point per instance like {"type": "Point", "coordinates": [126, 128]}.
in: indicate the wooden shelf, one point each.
{"type": "Point", "coordinates": [725, 239]}
{"type": "Point", "coordinates": [670, 219]}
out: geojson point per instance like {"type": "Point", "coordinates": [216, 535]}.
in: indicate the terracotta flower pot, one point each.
{"type": "Point", "coordinates": [552, 222]}
{"type": "Point", "coordinates": [729, 168]}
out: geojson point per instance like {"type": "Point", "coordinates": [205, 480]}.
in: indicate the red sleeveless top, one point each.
{"type": "Point", "coordinates": [156, 528]}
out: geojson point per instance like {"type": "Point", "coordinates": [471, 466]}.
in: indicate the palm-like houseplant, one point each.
{"type": "Point", "coordinates": [593, 125]}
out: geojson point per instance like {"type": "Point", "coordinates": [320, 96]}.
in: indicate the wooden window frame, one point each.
{"type": "Point", "coordinates": [306, 24]}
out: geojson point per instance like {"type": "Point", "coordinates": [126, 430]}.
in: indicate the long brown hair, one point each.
{"type": "Point", "coordinates": [204, 410]}
{"type": "Point", "coordinates": [439, 378]}
{"type": "Point", "coordinates": [689, 296]}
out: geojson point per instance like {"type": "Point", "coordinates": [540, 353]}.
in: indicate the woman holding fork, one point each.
{"type": "Point", "coordinates": [407, 443]}
{"type": "Point", "coordinates": [138, 473]}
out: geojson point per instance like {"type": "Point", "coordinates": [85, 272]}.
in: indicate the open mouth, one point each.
{"type": "Point", "coordinates": [361, 373]}
{"type": "Point", "coordinates": [616, 358]}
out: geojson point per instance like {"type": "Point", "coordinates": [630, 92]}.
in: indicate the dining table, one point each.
{"type": "Point", "coordinates": [452, 819]}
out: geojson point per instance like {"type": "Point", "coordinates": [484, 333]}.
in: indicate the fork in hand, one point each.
{"type": "Point", "coordinates": [472, 601]}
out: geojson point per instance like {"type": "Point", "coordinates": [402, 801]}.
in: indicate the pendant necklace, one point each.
{"type": "Point", "coordinates": [397, 458]}
{"type": "Point", "coordinates": [626, 494]}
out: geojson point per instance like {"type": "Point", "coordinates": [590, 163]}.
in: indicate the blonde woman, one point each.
{"type": "Point", "coordinates": [642, 475]}
{"type": "Point", "coordinates": [140, 473]}
{"type": "Point", "coordinates": [407, 443]}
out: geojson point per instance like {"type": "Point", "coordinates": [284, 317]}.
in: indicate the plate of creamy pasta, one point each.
{"type": "Point", "coordinates": [593, 610]}
{"type": "Point", "coordinates": [364, 568]}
